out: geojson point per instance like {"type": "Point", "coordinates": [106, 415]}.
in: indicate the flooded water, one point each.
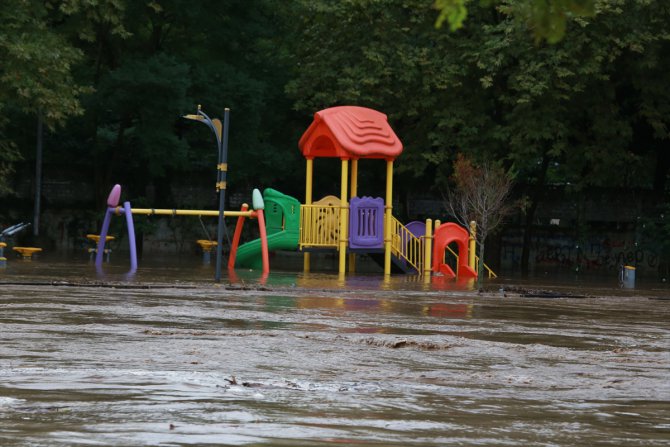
{"type": "Point", "coordinates": [168, 358]}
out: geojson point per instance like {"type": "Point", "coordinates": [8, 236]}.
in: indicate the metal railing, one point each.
{"type": "Point", "coordinates": [406, 246]}
{"type": "Point", "coordinates": [454, 254]}
{"type": "Point", "coordinates": [319, 226]}
{"type": "Point", "coordinates": [490, 273]}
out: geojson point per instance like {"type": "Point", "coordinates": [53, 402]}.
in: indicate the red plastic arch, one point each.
{"type": "Point", "coordinates": [444, 235]}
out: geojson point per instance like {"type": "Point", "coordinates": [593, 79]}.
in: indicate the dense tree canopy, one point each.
{"type": "Point", "coordinates": [490, 89]}
{"type": "Point", "coordinates": [546, 19]}
{"type": "Point", "coordinates": [36, 73]}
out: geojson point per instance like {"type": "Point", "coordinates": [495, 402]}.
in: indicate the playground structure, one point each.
{"type": "Point", "coordinates": [354, 225]}
{"type": "Point", "coordinates": [128, 211]}
{"type": "Point", "coordinates": [348, 224]}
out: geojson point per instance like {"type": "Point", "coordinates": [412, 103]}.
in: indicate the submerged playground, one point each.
{"type": "Point", "coordinates": [350, 223]}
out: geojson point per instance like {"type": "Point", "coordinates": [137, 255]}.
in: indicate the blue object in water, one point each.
{"type": "Point", "coordinates": [627, 277]}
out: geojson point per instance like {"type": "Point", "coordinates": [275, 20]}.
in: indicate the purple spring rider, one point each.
{"type": "Point", "coordinates": [113, 207]}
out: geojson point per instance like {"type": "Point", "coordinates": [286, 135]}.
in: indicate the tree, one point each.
{"type": "Point", "coordinates": [546, 18]}
{"type": "Point", "coordinates": [589, 110]}
{"type": "Point", "coordinates": [35, 75]}
{"type": "Point", "coordinates": [150, 63]}
{"type": "Point", "coordinates": [400, 65]}
{"type": "Point", "coordinates": [566, 112]}
{"type": "Point", "coordinates": [480, 194]}
{"type": "Point", "coordinates": [577, 113]}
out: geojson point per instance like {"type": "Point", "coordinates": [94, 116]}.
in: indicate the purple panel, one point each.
{"type": "Point", "coordinates": [366, 222]}
{"type": "Point", "coordinates": [417, 228]}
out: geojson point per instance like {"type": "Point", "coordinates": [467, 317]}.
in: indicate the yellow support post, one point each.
{"type": "Point", "coordinates": [472, 246]}
{"type": "Point", "coordinates": [387, 217]}
{"type": "Point", "coordinates": [438, 222]}
{"type": "Point", "coordinates": [344, 205]}
{"type": "Point", "coordinates": [308, 201]}
{"type": "Point", "coordinates": [354, 193]}
{"type": "Point", "coordinates": [428, 248]}
{"type": "Point", "coordinates": [354, 178]}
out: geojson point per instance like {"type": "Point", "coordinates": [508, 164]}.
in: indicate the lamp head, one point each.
{"type": "Point", "coordinates": [197, 116]}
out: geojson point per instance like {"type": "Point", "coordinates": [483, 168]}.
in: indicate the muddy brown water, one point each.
{"type": "Point", "coordinates": [168, 358]}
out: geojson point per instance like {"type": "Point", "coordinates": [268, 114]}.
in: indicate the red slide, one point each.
{"type": "Point", "coordinates": [444, 235]}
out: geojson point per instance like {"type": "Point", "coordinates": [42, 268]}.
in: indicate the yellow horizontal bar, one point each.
{"type": "Point", "coordinates": [220, 185]}
{"type": "Point", "coordinates": [169, 212]}
{"type": "Point", "coordinates": [222, 166]}
{"type": "Point", "coordinates": [325, 244]}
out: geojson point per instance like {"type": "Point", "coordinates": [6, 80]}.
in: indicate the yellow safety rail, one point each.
{"type": "Point", "coordinates": [491, 273]}
{"type": "Point", "coordinates": [448, 249]}
{"type": "Point", "coordinates": [319, 226]}
{"type": "Point", "coordinates": [406, 246]}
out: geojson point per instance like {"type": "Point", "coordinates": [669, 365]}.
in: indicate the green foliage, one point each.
{"type": "Point", "coordinates": [8, 156]}
{"type": "Point", "coordinates": [399, 66]}
{"type": "Point", "coordinates": [36, 71]}
{"type": "Point", "coordinates": [91, 15]}
{"type": "Point", "coordinates": [547, 19]}
{"type": "Point", "coordinates": [141, 101]}
{"type": "Point", "coordinates": [35, 75]}
{"type": "Point", "coordinates": [151, 62]}
{"type": "Point", "coordinates": [589, 110]}
{"type": "Point", "coordinates": [453, 12]}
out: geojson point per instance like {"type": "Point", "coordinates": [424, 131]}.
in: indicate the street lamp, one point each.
{"type": "Point", "coordinates": [38, 175]}
{"type": "Point", "coordinates": [221, 133]}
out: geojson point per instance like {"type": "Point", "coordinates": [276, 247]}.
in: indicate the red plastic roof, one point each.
{"type": "Point", "coordinates": [350, 132]}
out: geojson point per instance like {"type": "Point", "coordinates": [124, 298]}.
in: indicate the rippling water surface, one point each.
{"type": "Point", "coordinates": [169, 358]}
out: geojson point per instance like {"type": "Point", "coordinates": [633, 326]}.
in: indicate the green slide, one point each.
{"type": "Point", "coordinates": [282, 223]}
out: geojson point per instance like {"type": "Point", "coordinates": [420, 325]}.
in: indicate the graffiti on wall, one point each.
{"type": "Point", "coordinates": [604, 252]}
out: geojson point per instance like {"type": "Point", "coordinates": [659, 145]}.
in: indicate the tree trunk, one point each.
{"type": "Point", "coordinates": [480, 267]}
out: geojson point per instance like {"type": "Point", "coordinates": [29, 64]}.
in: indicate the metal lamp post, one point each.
{"type": "Point", "coordinates": [221, 133]}
{"type": "Point", "coordinates": [38, 175]}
